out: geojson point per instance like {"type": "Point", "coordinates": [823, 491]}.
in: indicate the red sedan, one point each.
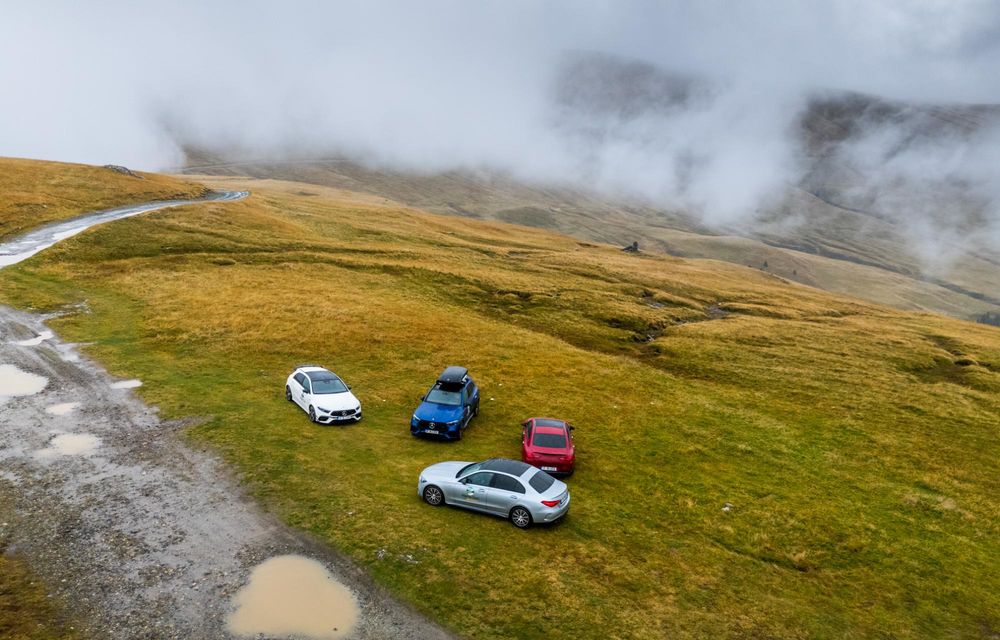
{"type": "Point", "coordinates": [547, 443]}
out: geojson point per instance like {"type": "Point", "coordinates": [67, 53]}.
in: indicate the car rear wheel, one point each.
{"type": "Point", "coordinates": [520, 517]}
{"type": "Point", "coordinates": [312, 414]}
{"type": "Point", "coordinates": [433, 496]}
{"type": "Point", "coordinates": [288, 393]}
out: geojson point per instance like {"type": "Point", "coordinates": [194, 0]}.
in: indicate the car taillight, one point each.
{"type": "Point", "coordinates": [551, 503]}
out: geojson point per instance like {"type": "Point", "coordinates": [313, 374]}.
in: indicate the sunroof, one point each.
{"type": "Point", "coordinates": [512, 467]}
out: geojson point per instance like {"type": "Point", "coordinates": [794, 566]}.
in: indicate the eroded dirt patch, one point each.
{"type": "Point", "coordinates": [141, 536]}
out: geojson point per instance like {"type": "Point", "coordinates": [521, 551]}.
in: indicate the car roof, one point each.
{"type": "Point", "coordinates": [310, 368]}
{"type": "Point", "coordinates": [544, 428]}
{"type": "Point", "coordinates": [505, 465]}
{"type": "Point", "coordinates": [453, 374]}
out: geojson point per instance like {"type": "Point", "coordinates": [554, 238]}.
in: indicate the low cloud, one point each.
{"type": "Point", "coordinates": [447, 85]}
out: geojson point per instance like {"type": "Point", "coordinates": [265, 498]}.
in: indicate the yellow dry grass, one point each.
{"type": "Point", "coordinates": [34, 193]}
{"type": "Point", "coordinates": [856, 444]}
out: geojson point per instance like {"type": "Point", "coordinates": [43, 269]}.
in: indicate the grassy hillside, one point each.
{"type": "Point", "coordinates": [857, 445]}
{"type": "Point", "coordinates": [825, 246]}
{"type": "Point", "coordinates": [34, 193]}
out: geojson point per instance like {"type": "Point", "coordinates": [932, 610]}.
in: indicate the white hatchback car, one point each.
{"type": "Point", "coordinates": [323, 395]}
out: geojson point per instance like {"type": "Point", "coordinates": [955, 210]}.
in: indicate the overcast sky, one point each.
{"type": "Point", "coordinates": [444, 84]}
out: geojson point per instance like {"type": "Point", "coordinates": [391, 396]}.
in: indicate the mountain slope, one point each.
{"type": "Point", "coordinates": [864, 211]}
{"type": "Point", "coordinates": [856, 444]}
{"type": "Point", "coordinates": [34, 193]}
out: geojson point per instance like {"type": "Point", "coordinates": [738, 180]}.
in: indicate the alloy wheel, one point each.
{"type": "Point", "coordinates": [520, 517]}
{"type": "Point", "coordinates": [433, 496]}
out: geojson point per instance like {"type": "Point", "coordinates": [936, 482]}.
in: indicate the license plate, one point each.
{"type": "Point", "coordinates": [432, 431]}
{"type": "Point", "coordinates": [548, 468]}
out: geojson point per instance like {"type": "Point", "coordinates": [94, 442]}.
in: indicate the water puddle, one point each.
{"type": "Point", "coordinates": [69, 444]}
{"type": "Point", "coordinates": [62, 409]}
{"type": "Point", "coordinates": [34, 342]}
{"type": "Point", "coordinates": [293, 596]}
{"type": "Point", "coordinates": [126, 384]}
{"type": "Point", "coordinates": [14, 382]}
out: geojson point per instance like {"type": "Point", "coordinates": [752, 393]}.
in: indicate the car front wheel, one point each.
{"type": "Point", "coordinates": [433, 496]}
{"type": "Point", "coordinates": [520, 517]}
{"type": "Point", "coordinates": [288, 393]}
{"type": "Point", "coordinates": [312, 414]}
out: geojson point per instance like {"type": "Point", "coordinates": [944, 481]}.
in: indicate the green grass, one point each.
{"type": "Point", "coordinates": [861, 466]}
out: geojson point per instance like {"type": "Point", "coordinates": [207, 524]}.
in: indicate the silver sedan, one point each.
{"type": "Point", "coordinates": [506, 488]}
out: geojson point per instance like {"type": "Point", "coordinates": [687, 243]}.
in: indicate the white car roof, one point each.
{"type": "Point", "coordinates": [306, 368]}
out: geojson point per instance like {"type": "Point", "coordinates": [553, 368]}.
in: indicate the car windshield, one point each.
{"type": "Point", "coordinates": [469, 468]}
{"type": "Point", "coordinates": [326, 383]}
{"type": "Point", "coordinates": [550, 440]}
{"type": "Point", "coordinates": [440, 396]}
{"type": "Point", "coordinates": [546, 422]}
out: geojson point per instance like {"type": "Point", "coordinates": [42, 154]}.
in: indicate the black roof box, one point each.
{"type": "Point", "coordinates": [453, 374]}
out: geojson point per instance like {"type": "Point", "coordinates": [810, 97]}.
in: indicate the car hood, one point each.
{"type": "Point", "coordinates": [433, 412]}
{"type": "Point", "coordinates": [334, 401]}
{"type": "Point", "coordinates": [442, 470]}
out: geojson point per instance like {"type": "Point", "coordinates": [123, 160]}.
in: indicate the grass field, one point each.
{"type": "Point", "coordinates": [857, 445]}
{"type": "Point", "coordinates": [34, 193]}
{"type": "Point", "coordinates": [804, 239]}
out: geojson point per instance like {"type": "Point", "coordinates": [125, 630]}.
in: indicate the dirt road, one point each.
{"type": "Point", "coordinates": [138, 534]}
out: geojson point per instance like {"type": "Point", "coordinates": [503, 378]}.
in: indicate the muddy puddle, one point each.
{"type": "Point", "coordinates": [37, 340]}
{"type": "Point", "coordinates": [62, 409]}
{"type": "Point", "coordinates": [14, 382]}
{"type": "Point", "coordinates": [293, 597]}
{"type": "Point", "coordinates": [69, 444]}
{"type": "Point", "coordinates": [126, 384]}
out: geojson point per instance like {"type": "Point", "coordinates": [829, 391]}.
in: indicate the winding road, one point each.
{"type": "Point", "coordinates": [136, 533]}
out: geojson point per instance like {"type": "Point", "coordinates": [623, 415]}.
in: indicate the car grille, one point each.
{"type": "Point", "coordinates": [347, 412]}
{"type": "Point", "coordinates": [427, 424]}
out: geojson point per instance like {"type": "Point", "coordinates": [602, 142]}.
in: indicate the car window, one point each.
{"type": "Point", "coordinates": [300, 378]}
{"type": "Point", "coordinates": [541, 481]}
{"type": "Point", "coordinates": [550, 440]}
{"type": "Point", "coordinates": [506, 483]}
{"type": "Point", "coordinates": [482, 479]}
{"type": "Point", "coordinates": [327, 383]}
{"type": "Point", "coordinates": [440, 396]}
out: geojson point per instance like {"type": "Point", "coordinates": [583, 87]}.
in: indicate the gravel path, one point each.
{"type": "Point", "coordinates": [141, 536]}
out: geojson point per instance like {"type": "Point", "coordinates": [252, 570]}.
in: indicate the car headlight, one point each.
{"type": "Point", "coordinates": [452, 423]}
{"type": "Point", "coordinates": [423, 480]}
{"type": "Point", "coordinates": [414, 418]}
{"type": "Point", "coordinates": [323, 410]}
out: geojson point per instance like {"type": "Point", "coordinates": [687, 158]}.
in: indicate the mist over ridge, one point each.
{"type": "Point", "coordinates": [715, 108]}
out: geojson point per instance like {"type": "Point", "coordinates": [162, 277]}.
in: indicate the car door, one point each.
{"type": "Point", "coordinates": [503, 494]}
{"type": "Point", "coordinates": [473, 397]}
{"type": "Point", "coordinates": [303, 389]}
{"type": "Point", "coordinates": [474, 492]}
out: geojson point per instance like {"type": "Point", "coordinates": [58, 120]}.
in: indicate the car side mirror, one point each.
{"type": "Point", "coordinates": [349, 387]}
{"type": "Point", "coordinates": [305, 392]}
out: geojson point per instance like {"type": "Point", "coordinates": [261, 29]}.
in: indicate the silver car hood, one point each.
{"type": "Point", "coordinates": [443, 470]}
